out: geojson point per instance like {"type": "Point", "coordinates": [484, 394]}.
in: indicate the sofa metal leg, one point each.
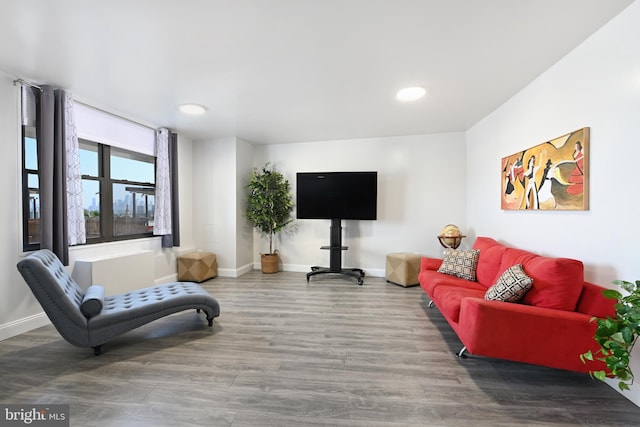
{"type": "Point", "coordinates": [461, 354]}
{"type": "Point", "coordinates": [97, 350]}
{"type": "Point", "coordinates": [430, 305]}
{"type": "Point", "coordinates": [210, 320]}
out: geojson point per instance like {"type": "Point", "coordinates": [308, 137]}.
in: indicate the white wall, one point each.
{"type": "Point", "coordinates": [421, 188]}
{"type": "Point", "coordinates": [19, 310]}
{"type": "Point", "coordinates": [214, 203]}
{"type": "Point", "coordinates": [597, 85]}
{"type": "Point", "coordinates": [219, 168]}
{"type": "Point", "coordinates": [244, 230]}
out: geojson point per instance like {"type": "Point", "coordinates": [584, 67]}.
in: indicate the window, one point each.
{"type": "Point", "coordinates": [118, 175]}
{"type": "Point", "coordinates": [118, 189]}
{"type": "Point", "coordinates": [30, 189]}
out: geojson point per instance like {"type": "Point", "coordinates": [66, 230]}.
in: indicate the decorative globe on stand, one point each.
{"type": "Point", "coordinates": [450, 237]}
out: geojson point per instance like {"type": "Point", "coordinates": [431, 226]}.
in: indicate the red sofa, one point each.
{"type": "Point", "coordinates": [550, 326]}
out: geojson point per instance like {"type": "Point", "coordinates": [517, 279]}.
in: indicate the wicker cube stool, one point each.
{"type": "Point", "coordinates": [402, 268]}
{"type": "Point", "coordinates": [197, 267]}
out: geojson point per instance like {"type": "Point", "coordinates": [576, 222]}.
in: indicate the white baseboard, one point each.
{"type": "Point", "coordinates": [244, 269]}
{"type": "Point", "coordinates": [21, 326]}
{"type": "Point", "coordinates": [166, 279]}
{"type": "Point", "coordinates": [375, 272]}
{"type": "Point", "coordinates": [237, 272]}
{"type": "Point", "coordinates": [297, 268]}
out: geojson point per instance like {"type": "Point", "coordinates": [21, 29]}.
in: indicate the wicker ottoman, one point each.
{"type": "Point", "coordinates": [403, 268]}
{"type": "Point", "coordinates": [197, 267]}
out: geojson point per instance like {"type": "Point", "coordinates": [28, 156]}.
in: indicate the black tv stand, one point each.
{"type": "Point", "coordinates": [335, 256]}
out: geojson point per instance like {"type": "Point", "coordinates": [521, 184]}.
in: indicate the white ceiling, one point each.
{"type": "Point", "coordinates": [278, 71]}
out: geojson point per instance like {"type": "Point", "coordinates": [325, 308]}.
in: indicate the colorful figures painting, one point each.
{"type": "Point", "coordinates": [551, 176]}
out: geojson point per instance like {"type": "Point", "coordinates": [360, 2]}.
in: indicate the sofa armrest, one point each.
{"type": "Point", "coordinates": [529, 334]}
{"type": "Point", "coordinates": [594, 303]}
{"type": "Point", "coordinates": [427, 263]}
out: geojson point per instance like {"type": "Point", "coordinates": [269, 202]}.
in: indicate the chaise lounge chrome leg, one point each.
{"type": "Point", "coordinates": [430, 305]}
{"type": "Point", "coordinates": [461, 354]}
{"type": "Point", "coordinates": [97, 350]}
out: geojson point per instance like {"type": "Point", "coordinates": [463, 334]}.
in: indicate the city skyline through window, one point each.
{"type": "Point", "coordinates": [118, 191]}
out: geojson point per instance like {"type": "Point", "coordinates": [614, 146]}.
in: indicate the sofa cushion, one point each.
{"type": "Point", "coordinates": [449, 298]}
{"type": "Point", "coordinates": [460, 263]}
{"type": "Point", "coordinates": [557, 282]}
{"type": "Point", "coordinates": [431, 279]}
{"type": "Point", "coordinates": [511, 286]}
{"type": "Point", "coordinates": [513, 256]}
{"type": "Point", "coordinates": [489, 260]}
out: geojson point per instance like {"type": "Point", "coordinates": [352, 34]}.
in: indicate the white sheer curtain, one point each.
{"type": "Point", "coordinates": [75, 209]}
{"type": "Point", "coordinates": [162, 217]}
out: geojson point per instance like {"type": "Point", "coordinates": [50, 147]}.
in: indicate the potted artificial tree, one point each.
{"type": "Point", "coordinates": [617, 336]}
{"type": "Point", "coordinates": [269, 207]}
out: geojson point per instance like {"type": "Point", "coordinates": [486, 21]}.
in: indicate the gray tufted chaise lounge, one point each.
{"type": "Point", "coordinates": [89, 319]}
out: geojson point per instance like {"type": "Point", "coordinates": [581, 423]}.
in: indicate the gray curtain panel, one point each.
{"type": "Point", "coordinates": [173, 239]}
{"type": "Point", "coordinates": [50, 132]}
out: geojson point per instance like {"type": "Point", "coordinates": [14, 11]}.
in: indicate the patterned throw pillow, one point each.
{"type": "Point", "coordinates": [511, 286]}
{"type": "Point", "coordinates": [460, 263]}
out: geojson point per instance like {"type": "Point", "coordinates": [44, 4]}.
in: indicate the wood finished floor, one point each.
{"type": "Point", "coordinates": [287, 353]}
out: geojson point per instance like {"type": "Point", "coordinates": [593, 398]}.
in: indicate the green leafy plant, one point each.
{"type": "Point", "coordinates": [269, 202]}
{"type": "Point", "coordinates": [617, 336]}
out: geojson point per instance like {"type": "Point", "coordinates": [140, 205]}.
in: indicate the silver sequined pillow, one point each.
{"type": "Point", "coordinates": [511, 286]}
{"type": "Point", "coordinates": [460, 263]}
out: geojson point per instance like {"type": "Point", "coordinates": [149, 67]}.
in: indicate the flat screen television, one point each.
{"type": "Point", "coordinates": [336, 195]}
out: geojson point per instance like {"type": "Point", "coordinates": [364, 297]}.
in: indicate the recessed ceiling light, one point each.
{"type": "Point", "coordinates": [193, 109]}
{"type": "Point", "coordinates": [410, 93]}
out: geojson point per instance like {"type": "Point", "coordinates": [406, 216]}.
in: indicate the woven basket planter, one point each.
{"type": "Point", "coordinates": [270, 263]}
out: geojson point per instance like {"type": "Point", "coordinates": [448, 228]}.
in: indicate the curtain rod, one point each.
{"type": "Point", "coordinates": [118, 116]}
{"type": "Point", "coordinates": [33, 85]}
{"type": "Point", "coordinates": [28, 83]}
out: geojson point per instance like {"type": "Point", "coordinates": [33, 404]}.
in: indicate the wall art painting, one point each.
{"type": "Point", "coordinates": [551, 176]}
